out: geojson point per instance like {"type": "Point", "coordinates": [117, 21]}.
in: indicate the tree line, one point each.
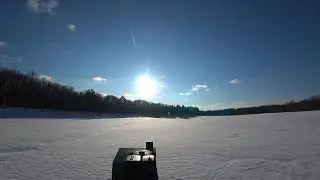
{"type": "Point", "coordinates": [30, 91]}
{"type": "Point", "coordinates": [309, 104]}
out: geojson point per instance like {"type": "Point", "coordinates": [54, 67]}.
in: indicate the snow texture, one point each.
{"type": "Point", "coordinates": [269, 146]}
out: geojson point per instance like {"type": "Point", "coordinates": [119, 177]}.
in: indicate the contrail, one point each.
{"type": "Point", "coordinates": [134, 40]}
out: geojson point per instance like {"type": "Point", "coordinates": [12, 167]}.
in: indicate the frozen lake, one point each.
{"type": "Point", "coordinates": [268, 146]}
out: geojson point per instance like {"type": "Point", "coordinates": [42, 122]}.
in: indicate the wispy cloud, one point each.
{"type": "Point", "coordinates": [161, 84]}
{"type": "Point", "coordinates": [10, 59]}
{"type": "Point", "coordinates": [42, 6]}
{"type": "Point", "coordinates": [3, 44]}
{"type": "Point", "coordinates": [99, 79]}
{"type": "Point", "coordinates": [133, 38]}
{"type": "Point", "coordinates": [235, 81]}
{"type": "Point", "coordinates": [199, 87]}
{"type": "Point", "coordinates": [71, 27]}
{"type": "Point", "coordinates": [196, 89]}
{"type": "Point", "coordinates": [19, 59]}
{"type": "Point", "coordinates": [185, 94]}
{"type": "Point", "coordinates": [45, 77]}
{"type": "Point", "coordinates": [5, 58]}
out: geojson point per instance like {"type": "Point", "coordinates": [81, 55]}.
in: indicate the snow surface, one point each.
{"type": "Point", "coordinates": [268, 146]}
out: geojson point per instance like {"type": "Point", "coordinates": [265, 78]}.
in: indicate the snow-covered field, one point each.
{"type": "Point", "coordinates": [268, 146]}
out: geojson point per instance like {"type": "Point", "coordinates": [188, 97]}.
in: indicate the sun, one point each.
{"type": "Point", "coordinates": [146, 86]}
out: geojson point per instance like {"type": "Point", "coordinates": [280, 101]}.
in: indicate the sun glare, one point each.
{"type": "Point", "coordinates": [146, 86]}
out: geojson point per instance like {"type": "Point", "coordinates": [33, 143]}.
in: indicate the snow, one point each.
{"type": "Point", "coordinates": [268, 146]}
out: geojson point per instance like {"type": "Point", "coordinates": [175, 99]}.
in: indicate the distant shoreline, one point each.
{"type": "Point", "coordinates": [21, 112]}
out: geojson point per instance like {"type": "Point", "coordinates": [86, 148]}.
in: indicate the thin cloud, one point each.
{"type": "Point", "coordinates": [134, 42]}
{"type": "Point", "coordinates": [71, 27]}
{"type": "Point", "coordinates": [3, 44]}
{"type": "Point", "coordinates": [45, 77]}
{"type": "Point", "coordinates": [42, 6]}
{"type": "Point", "coordinates": [10, 59]}
{"type": "Point", "coordinates": [19, 59]}
{"type": "Point", "coordinates": [198, 87]}
{"type": "Point", "coordinates": [99, 79]}
{"type": "Point", "coordinates": [161, 84]}
{"type": "Point", "coordinates": [235, 81]}
{"type": "Point", "coordinates": [185, 94]}
{"type": "Point", "coordinates": [5, 58]}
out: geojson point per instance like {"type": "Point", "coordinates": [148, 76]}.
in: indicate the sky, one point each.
{"type": "Point", "coordinates": [212, 54]}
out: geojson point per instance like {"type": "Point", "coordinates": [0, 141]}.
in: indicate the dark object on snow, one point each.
{"type": "Point", "coordinates": [135, 164]}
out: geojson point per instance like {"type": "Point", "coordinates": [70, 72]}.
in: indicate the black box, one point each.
{"type": "Point", "coordinates": [135, 163]}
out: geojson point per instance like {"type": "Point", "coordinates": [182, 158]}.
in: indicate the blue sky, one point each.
{"type": "Point", "coordinates": [212, 54]}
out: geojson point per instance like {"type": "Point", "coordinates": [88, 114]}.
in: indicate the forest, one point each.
{"type": "Point", "coordinates": [310, 104]}
{"type": "Point", "coordinates": [29, 91]}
